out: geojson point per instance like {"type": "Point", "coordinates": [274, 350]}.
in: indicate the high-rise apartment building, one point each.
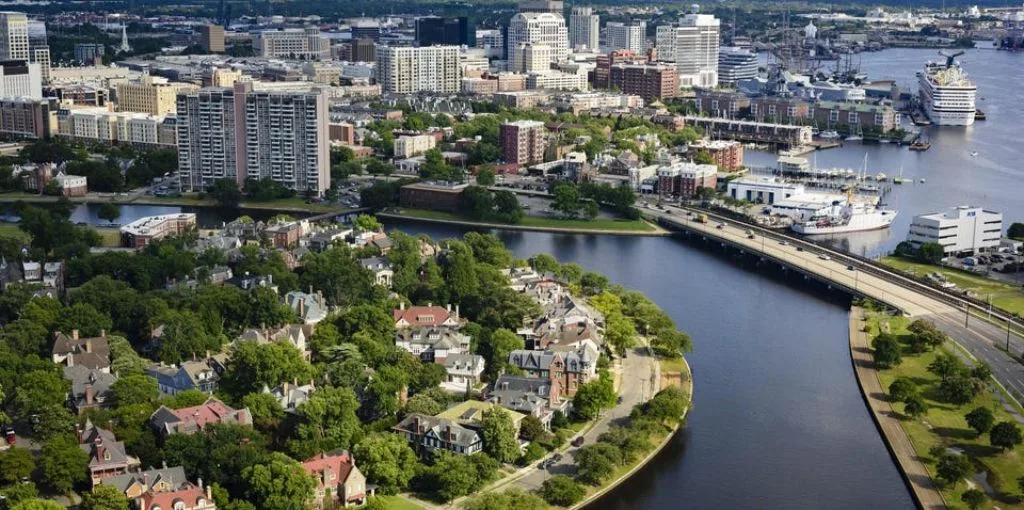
{"type": "Point", "coordinates": [538, 28]}
{"type": "Point", "coordinates": [298, 43]}
{"type": "Point", "coordinates": [434, 31]}
{"type": "Point", "coordinates": [550, 6]}
{"type": "Point", "coordinates": [532, 58]}
{"type": "Point", "coordinates": [87, 53]}
{"type": "Point", "coordinates": [20, 78]}
{"type": "Point", "coordinates": [14, 43]}
{"type": "Point", "coordinates": [693, 47]}
{"type": "Point", "coordinates": [584, 29]}
{"type": "Point", "coordinates": [242, 134]}
{"type": "Point", "coordinates": [363, 50]}
{"type": "Point", "coordinates": [211, 38]}
{"type": "Point", "coordinates": [523, 141]}
{"type": "Point", "coordinates": [605, 61]}
{"type": "Point", "coordinates": [150, 94]}
{"type": "Point", "coordinates": [735, 64]}
{"type": "Point", "coordinates": [27, 118]}
{"type": "Point", "coordinates": [630, 36]}
{"type": "Point", "coordinates": [405, 70]}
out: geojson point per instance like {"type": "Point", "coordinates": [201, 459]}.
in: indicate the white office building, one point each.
{"type": "Point", "coordinates": [98, 124]}
{"type": "Point", "coordinates": [584, 29]}
{"type": "Point", "coordinates": [14, 44]}
{"type": "Point", "coordinates": [408, 146]}
{"type": "Point", "coordinates": [538, 28]}
{"type": "Point", "coordinates": [630, 36]}
{"type": "Point", "coordinates": [21, 78]}
{"type": "Point", "coordinates": [532, 58]}
{"type": "Point", "coordinates": [735, 64]}
{"type": "Point", "coordinates": [406, 70]}
{"type": "Point", "coordinates": [693, 46]}
{"type": "Point", "coordinates": [294, 43]}
{"type": "Point", "coordinates": [556, 80]}
{"type": "Point", "coordinates": [961, 229]}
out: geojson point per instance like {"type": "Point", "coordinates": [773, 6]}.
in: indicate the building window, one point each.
{"type": "Point", "coordinates": [853, 117]}
{"type": "Point", "coordinates": [833, 115]}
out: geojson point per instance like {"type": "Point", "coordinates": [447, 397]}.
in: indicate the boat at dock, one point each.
{"type": "Point", "coordinates": [920, 145]}
{"type": "Point", "coordinates": [947, 95]}
{"type": "Point", "coordinates": [829, 135]}
{"type": "Point", "coordinates": [846, 216]}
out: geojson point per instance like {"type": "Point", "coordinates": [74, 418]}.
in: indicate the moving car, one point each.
{"type": "Point", "coordinates": [824, 257]}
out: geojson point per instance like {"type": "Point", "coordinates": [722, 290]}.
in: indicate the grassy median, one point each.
{"type": "Point", "coordinates": [944, 425]}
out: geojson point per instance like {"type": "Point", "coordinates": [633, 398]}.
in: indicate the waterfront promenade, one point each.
{"type": "Point", "coordinates": [887, 420]}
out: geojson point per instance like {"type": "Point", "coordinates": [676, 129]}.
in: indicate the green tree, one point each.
{"type": "Point", "coordinates": [367, 223]}
{"type": "Point", "coordinates": [952, 468]}
{"type": "Point", "coordinates": [18, 493]}
{"type": "Point", "coordinates": [62, 464]}
{"type": "Point", "coordinates": [980, 419]}
{"type": "Point", "coordinates": [931, 253]}
{"type": "Point", "coordinates": [135, 389]}
{"type": "Point", "coordinates": [512, 499]}
{"type": "Point", "coordinates": [959, 389]}
{"type": "Point", "coordinates": [590, 209]}
{"type": "Point", "coordinates": [596, 462]}
{"type": "Point", "coordinates": [226, 193]}
{"type": "Point", "coordinates": [423, 404]}
{"type": "Point", "coordinates": [109, 212]}
{"type": "Point", "coordinates": [1016, 231]}
{"type": "Point", "coordinates": [901, 389]}
{"type": "Point", "coordinates": [499, 435]}
{"type": "Point", "coordinates": [593, 396]}
{"type": "Point", "coordinates": [15, 464]}
{"type": "Point", "coordinates": [544, 263]}
{"type": "Point", "coordinates": [496, 350]}
{"type": "Point", "coordinates": [1005, 435]}
{"type": "Point", "coordinates": [279, 483]}
{"type": "Point", "coordinates": [38, 504]}
{"type": "Point", "coordinates": [104, 497]}
{"type": "Point", "coordinates": [945, 366]}
{"type": "Point", "coordinates": [914, 406]}
{"type": "Point", "coordinates": [25, 337]}
{"type": "Point", "coordinates": [86, 319]}
{"type": "Point", "coordinates": [263, 406]}
{"type": "Point", "coordinates": [253, 366]}
{"type": "Point", "coordinates": [561, 490]}
{"type": "Point", "coordinates": [453, 476]}
{"type": "Point", "coordinates": [485, 176]}
{"type": "Point", "coordinates": [386, 460]}
{"type": "Point", "coordinates": [567, 200]}
{"type": "Point", "coordinates": [326, 421]}
{"type": "Point", "coordinates": [973, 498]}
{"type": "Point", "coordinates": [37, 390]}
{"type": "Point", "coordinates": [531, 428]}
{"type": "Point", "coordinates": [887, 351]}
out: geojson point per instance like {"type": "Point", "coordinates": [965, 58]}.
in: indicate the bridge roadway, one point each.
{"type": "Point", "coordinates": [984, 340]}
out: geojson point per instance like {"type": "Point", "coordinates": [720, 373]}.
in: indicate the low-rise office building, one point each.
{"type": "Point", "coordinates": [143, 231]}
{"type": "Point", "coordinates": [962, 229]}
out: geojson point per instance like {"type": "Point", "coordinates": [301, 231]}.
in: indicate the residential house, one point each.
{"type": "Point", "coordinates": [322, 241]}
{"type": "Point", "coordinates": [339, 481]}
{"type": "Point", "coordinates": [285, 235]}
{"type": "Point", "coordinates": [310, 307]}
{"type": "Point", "coordinates": [134, 485]}
{"type": "Point", "coordinates": [529, 395]}
{"type": "Point", "coordinates": [565, 370]}
{"type": "Point", "coordinates": [470, 414]}
{"type": "Point", "coordinates": [107, 455]}
{"type": "Point", "coordinates": [250, 282]}
{"type": "Point", "coordinates": [382, 272]}
{"type": "Point", "coordinates": [201, 374]}
{"type": "Point", "coordinates": [292, 334]}
{"type": "Point", "coordinates": [464, 371]}
{"type": "Point", "coordinates": [429, 316]}
{"type": "Point", "coordinates": [224, 243]}
{"type": "Point", "coordinates": [427, 433]}
{"type": "Point", "coordinates": [186, 496]}
{"type": "Point", "coordinates": [432, 344]}
{"type": "Point", "coordinates": [189, 420]}
{"type": "Point", "coordinates": [93, 353]}
{"type": "Point", "coordinates": [90, 388]}
{"type": "Point", "coordinates": [291, 395]}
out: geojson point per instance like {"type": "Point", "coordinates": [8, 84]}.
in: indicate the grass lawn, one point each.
{"type": "Point", "coordinates": [111, 236]}
{"type": "Point", "coordinates": [943, 424]}
{"type": "Point", "coordinates": [1006, 296]}
{"type": "Point", "coordinates": [543, 222]}
{"type": "Point", "coordinates": [398, 503]}
{"type": "Point", "coordinates": [9, 230]}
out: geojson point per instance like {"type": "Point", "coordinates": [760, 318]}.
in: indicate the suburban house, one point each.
{"type": "Point", "coordinates": [432, 344]}
{"type": "Point", "coordinates": [134, 485]}
{"type": "Point", "coordinates": [427, 316]}
{"type": "Point", "coordinates": [339, 481]}
{"type": "Point", "coordinates": [93, 353]}
{"type": "Point", "coordinates": [382, 272]}
{"type": "Point", "coordinates": [292, 334]}
{"type": "Point", "coordinates": [189, 420]}
{"type": "Point", "coordinates": [185, 496]}
{"type": "Point", "coordinates": [470, 414]}
{"type": "Point", "coordinates": [107, 455]}
{"type": "Point", "coordinates": [464, 371]}
{"type": "Point", "coordinates": [291, 395]}
{"type": "Point", "coordinates": [427, 433]}
{"type": "Point", "coordinates": [528, 395]}
{"type": "Point", "coordinates": [201, 374]}
{"type": "Point", "coordinates": [90, 388]}
{"type": "Point", "coordinates": [310, 307]}
{"type": "Point", "coordinates": [566, 371]}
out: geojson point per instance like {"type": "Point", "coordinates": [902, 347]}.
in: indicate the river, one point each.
{"type": "Point", "coordinates": [993, 179]}
{"type": "Point", "coordinates": [778, 420]}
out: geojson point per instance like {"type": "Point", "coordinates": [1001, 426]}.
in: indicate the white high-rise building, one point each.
{"type": "Point", "coordinates": [693, 47]}
{"type": "Point", "coordinates": [538, 28]}
{"type": "Point", "coordinates": [406, 70]}
{"type": "Point", "coordinates": [299, 43]}
{"type": "Point", "coordinates": [627, 36]}
{"type": "Point", "coordinates": [20, 78]}
{"type": "Point", "coordinates": [241, 134]}
{"type": "Point", "coordinates": [584, 29]}
{"type": "Point", "coordinates": [13, 36]}
{"type": "Point", "coordinates": [532, 58]}
{"type": "Point", "coordinates": [735, 64]}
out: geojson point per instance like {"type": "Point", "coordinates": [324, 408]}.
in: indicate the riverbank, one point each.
{"type": "Point", "coordinates": [685, 376]}
{"type": "Point", "coordinates": [896, 439]}
{"type": "Point", "coordinates": [111, 236]}
{"type": "Point", "coordinates": [536, 224]}
{"type": "Point", "coordinates": [284, 205]}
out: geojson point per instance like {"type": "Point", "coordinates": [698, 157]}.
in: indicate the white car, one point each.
{"type": "Point", "coordinates": [824, 257]}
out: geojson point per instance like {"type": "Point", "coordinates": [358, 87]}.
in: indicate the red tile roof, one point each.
{"type": "Point", "coordinates": [190, 495]}
{"type": "Point", "coordinates": [340, 464]}
{"type": "Point", "coordinates": [430, 315]}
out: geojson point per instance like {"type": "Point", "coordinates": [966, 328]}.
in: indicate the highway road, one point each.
{"type": "Point", "coordinates": [984, 340]}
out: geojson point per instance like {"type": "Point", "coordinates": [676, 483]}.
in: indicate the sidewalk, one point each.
{"type": "Point", "coordinates": [914, 471]}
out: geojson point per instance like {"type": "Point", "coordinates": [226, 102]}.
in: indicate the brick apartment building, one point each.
{"type": "Point", "coordinates": [728, 155]}
{"type": "Point", "coordinates": [649, 81]}
{"type": "Point", "coordinates": [523, 142]}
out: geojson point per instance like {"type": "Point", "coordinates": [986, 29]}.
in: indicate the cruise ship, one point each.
{"type": "Point", "coordinates": [846, 216]}
{"type": "Point", "coordinates": [946, 94]}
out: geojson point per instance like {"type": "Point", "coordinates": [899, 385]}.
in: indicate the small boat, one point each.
{"type": "Point", "coordinates": [974, 153]}
{"type": "Point", "coordinates": [829, 135]}
{"type": "Point", "coordinates": [854, 138]}
{"type": "Point", "coordinates": [881, 177]}
{"type": "Point", "coordinates": [922, 181]}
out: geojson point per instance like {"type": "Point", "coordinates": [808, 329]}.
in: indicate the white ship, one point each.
{"type": "Point", "coordinates": [947, 96]}
{"type": "Point", "coordinates": [846, 216]}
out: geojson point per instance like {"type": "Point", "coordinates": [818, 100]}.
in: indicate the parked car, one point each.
{"type": "Point", "coordinates": [824, 257]}
{"type": "Point", "coordinates": [578, 441]}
